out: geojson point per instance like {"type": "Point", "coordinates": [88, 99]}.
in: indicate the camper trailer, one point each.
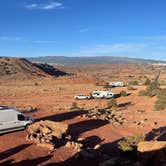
{"type": "Point", "coordinates": [116, 84]}
{"type": "Point", "coordinates": [11, 120]}
{"type": "Point", "coordinates": [107, 94]}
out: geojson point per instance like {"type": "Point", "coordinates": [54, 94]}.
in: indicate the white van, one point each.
{"type": "Point", "coordinates": [11, 120]}
{"type": "Point", "coordinates": [106, 94]}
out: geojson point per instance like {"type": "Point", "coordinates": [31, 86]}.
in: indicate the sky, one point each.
{"type": "Point", "coordinates": [126, 28]}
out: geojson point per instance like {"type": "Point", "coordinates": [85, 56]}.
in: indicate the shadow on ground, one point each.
{"type": "Point", "coordinates": [64, 116]}
{"type": "Point", "coordinates": [13, 151]}
{"type": "Point", "coordinates": [158, 134]}
{"type": "Point", "coordinates": [124, 104]}
{"type": "Point", "coordinates": [80, 127]}
{"type": "Point", "coordinates": [28, 162]}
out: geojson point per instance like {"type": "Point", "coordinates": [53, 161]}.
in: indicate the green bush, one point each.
{"type": "Point", "coordinates": [130, 87]}
{"type": "Point", "coordinates": [107, 85]}
{"type": "Point", "coordinates": [142, 93]}
{"type": "Point", "coordinates": [123, 93]}
{"type": "Point", "coordinates": [112, 103]}
{"type": "Point", "coordinates": [129, 143]}
{"type": "Point", "coordinates": [151, 90]}
{"type": "Point", "coordinates": [133, 82]}
{"type": "Point", "coordinates": [97, 84]}
{"type": "Point", "coordinates": [74, 106]}
{"type": "Point", "coordinates": [36, 84]}
{"type": "Point", "coordinates": [160, 104]}
{"type": "Point", "coordinates": [147, 81]}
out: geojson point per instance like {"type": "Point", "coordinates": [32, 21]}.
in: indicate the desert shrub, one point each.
{"type": "Point", "coordinates": [152, 93]}
{"type": "Point", "coordinates": [151, 90]}
{"type": "Point", "coordinates": [130, 87]}
{"type": "Point", "coordinates": [74, 106]}
{"type": "Point", "coordinates": [123, 93]}
{"type": "Point", "coordinates": [112, 103]}
{"type": "Point", "coordinates": [160, 104]}
{"type": "Point", "coordinates": [106, 85]}
{"type": "Point", "coordinates": [142, 93]}
{"type": "Point", "coordinates": [153, 85]}
{"type": "Point", "coordinates": [140, 77]}
{"type": "Point", "coordinates": [97, 84]}
{"type": "Point", "coordinates": [129, 143]}
{"type": "Point", "coordinates": [133, 82]}
{"type": "Point", "coordinates": [147, 81]}
{"type": "Point", "coordinates": [36, 83]}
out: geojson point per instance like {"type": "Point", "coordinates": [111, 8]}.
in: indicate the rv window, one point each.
{"type": "Point", "coordinates": [21, 117]}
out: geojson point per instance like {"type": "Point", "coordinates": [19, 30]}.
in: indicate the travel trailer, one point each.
{"type": "Point", "coordinates": [11, 120]}
{"type": "Point", "coordinates": [107, 94]}
{"type": "Point", "coordinates": [116, 84]}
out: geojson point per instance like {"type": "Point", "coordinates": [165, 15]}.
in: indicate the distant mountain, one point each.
{"type": "Point", "coordinates": [69, 61]}
{"type": "Point", "coordinates": [20, 68]}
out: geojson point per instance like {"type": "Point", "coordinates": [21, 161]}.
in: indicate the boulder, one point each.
{"type": "Point", "coordinates": [152, 153]}
{"type": "Point", "coordinates": [150, 146]}
{"type": "Point", "coordinates": [74, 145]}
{"type": "Point", "coordinates": [45, 133]}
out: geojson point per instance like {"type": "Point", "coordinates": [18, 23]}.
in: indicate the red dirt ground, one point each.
{"type": "Point", "coordinates": [53, 99]}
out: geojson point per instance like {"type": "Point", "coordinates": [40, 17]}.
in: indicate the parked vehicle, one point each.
{"type": "Point", "coordinates": [107, 94]}
{"type": "Point", "coordinates": [11, 120]}
{"type": "Point", "coordinates": [82, 97]}
{"type": "Point", "coordinates": [117, 84]}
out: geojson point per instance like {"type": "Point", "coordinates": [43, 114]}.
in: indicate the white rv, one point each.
{"type": "Point", "coordinates": [11, 120]}
{"type": "Point", "coordinates": [107, 94]}
{"type": "Point", "coordinates": [116, 84]}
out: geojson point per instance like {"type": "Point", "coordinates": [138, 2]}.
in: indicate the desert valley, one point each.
{"type": "Point", "coordinates": [94, 126]}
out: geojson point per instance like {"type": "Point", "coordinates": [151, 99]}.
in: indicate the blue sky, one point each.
{"type": "Point", "coordinates": [128, 28]}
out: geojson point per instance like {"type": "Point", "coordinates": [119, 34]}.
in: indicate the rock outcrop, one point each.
{"type": "Point", "coordinates": [106, 115]}
{"type": "Point", "coordinates": [150, 146]}
{"type": "Point", "coordinates": [45, 133]}
{"type": "Point", "coordinates": [152, 153]}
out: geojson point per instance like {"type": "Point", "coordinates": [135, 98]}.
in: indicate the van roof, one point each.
{"type": "Point", "coordinates": [4, 107]}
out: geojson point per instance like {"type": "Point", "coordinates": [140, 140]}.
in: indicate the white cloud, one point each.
{"type": "Point", "coordinates": [155, 38]}
{"type": "Point", "coordinates": [22, 40]}
{"type": "Point", "coordinates": [84, 30]}
{"type": "Point", "coordinates": [45, 6]}
{"type": "Point", "coordinates": [7, 38]}
{"type": "Point", "coordinates": [44, 41]}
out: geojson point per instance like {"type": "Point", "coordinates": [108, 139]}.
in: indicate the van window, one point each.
{"type": "Point", "coordinates": [21, 117]}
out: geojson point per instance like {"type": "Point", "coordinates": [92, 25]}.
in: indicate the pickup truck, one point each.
{"type": "Point", "coordinates": [82, 97]}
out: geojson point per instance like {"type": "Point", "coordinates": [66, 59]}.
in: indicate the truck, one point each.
{"type": "Point", "coordinates": [117, 84]}
{"type": "Point", "coordinates": [82, 97]}
{"type": "Point", "coordinates": [11, 120]}
{"type": "Point", "coordinates": [105, 94]}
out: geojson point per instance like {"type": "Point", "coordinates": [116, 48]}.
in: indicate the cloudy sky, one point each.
{"type": "Point", "coordinates": [132, 28]}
